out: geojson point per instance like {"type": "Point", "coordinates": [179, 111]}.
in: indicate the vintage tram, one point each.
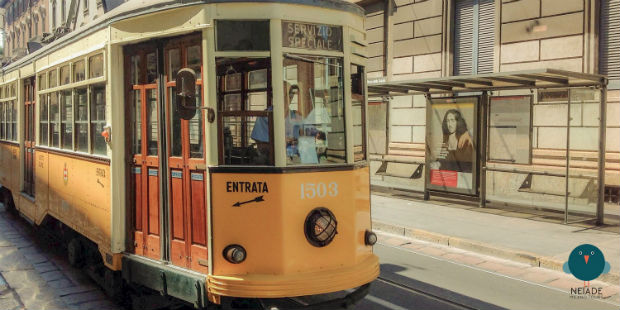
{"type": "Point", "coordinates": [211, 151]}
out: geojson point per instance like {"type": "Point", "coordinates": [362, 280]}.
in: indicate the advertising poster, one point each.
{"type": "Point", "coordinates": [509, 129]}
{"type": "Point", "coordinates": [451, 145]}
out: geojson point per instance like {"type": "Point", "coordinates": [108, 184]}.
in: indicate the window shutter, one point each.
{"type": "Point", "coordinates": [463, 37]}
{"type": "Point", "coordinates": [486, 35]}
{"type": "Point", "coordinates": [609, 62]}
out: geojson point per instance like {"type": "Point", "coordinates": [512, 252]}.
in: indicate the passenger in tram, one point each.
{"type": "Point", "coordinates": [260, 134]}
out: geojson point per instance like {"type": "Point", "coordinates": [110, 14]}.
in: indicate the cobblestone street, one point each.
{"type": "Point", "coordinates": [35, 275]}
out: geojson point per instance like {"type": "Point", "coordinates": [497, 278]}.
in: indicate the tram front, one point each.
{"type": "Point", "coordinates": [289, 179]}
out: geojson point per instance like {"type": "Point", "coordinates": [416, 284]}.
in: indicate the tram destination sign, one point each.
{"type": "Point", "coordinates": [311, 36]}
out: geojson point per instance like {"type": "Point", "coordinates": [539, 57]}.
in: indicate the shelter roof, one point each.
{"type": "Point", "coordinates": [529, 79]}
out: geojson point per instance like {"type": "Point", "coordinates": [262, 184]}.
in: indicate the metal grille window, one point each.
{"type": "Point", "coordinates": [609, 63]}
{"type": "Point", "coordinates": [474, 36]}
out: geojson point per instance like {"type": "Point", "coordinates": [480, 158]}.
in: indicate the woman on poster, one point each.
{"type": "Point", "coordinates": [457, 149]}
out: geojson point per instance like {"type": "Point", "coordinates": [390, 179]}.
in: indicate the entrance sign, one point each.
{"type": "Point", "coordinates": [509, 129]}
{"type": "Point", "coordinates": [311, 36]}
{"type": "Point", "coordinates": [451, 145]}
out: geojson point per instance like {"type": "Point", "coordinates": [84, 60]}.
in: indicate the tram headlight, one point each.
{"type": "Point", "coordinates": [320, 227]}
{"type": "Point", "coordinates": [370, 238]}
{"type": "Point", "coordinates": [234, 254]}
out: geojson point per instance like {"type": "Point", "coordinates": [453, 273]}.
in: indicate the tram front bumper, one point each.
{"type": "Point", "coordinates": [293, 285]}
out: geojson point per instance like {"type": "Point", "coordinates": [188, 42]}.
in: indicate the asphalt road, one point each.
{"type": "Point", "coordinates": [411, 280]}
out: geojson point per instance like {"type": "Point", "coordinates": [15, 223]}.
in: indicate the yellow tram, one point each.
{"type": "Point", "coordinates": [208, 150]}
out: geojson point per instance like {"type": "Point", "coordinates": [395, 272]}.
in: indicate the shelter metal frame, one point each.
{"type": "Point", "coordinates": [518, 80]}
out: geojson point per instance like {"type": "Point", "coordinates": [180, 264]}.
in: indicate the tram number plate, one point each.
{"type": "Point", "coordinates": [318, 190]}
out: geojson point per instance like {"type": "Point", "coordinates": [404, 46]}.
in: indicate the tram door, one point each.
{"type": "Point", "coordinates": [185, 167]}
{"type": "Point", "coordinates": [142, 101]}
{"type": "Point", "coordinates": [186, 160]}
{"type": "Point", "coordinates": [29, 141]}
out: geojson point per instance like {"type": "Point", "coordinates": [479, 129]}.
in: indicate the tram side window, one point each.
{"type": "Point", "coordinates": [8, 121]}
{"type": "Point", "coordinates": [2, 121]}
{"type": "Point", "coordinates": [97, 119]}
{"type": "Point", "coordinates": [66, 116]}
{"type": "Point", "coordinates": [54, 120]}
{"type": "Point", "coordinates": [53, 78]}
{"type": "Point", "coordinates": [44, 122]}
{"type": "Point", "coordinates": [65, 75]}
{"type": "Point", "coordinates": [314, 110]}
{"type": "Point", "coordinates": [14, 121]}
{"type": "Point", "coordinates": [358, 103]}
{"type": "Point", "coordinates": [95, 66]}
{"type": "Point", "coordinates": [81, 120]}
{"type": "Point", "coordinates": [246, 114]}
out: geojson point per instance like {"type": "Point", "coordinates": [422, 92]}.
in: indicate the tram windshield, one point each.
{"type": "Point", "coordinates": [312, 98]}
{"type": "Point", "coordinates": [314, 110]}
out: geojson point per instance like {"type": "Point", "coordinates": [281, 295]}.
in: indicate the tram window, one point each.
{"type": "Point", "coordinates": [42, 82]}
{"type": "Point", "coordinates": [358, 102]}
{"type": "Point", "coordinates": [176, 140]}
{"type": "Point", "coordinates": [54, 119]}
{"type": "Point", "coordinates": [196, 144]}
{"type": "Point", "coordinates": [151, 122]}
{"type": "Point", "coordinates": [97, 119]}
{"type": "Point", "coordinates": [244, 92]}
{"type": "Point", "coordinates": [43, 118]}
{"type": "Point", "coordinates": [95, 66]}
{"type": "Point", "coordinates": [14, 121]}
{"type": "Point", "coordinates": [134, 70]}
{"type": "Point", "coordinates": [137, 122]}
{"type": "Point", "coordinates": [2, 121]}
{"type": "Point", "coordinates": [65, 76]}
{"type": "Point", "coordinates": [81, 120]}
{"type": "Point", "coordinates": [53, 78]}
{"type": "Point", "coordinates": [66, 120]}
{"type": "Point", "coordinates": [242, 35]}
{"type": "Point", "coordinates": [193, 60]}
{"type": "Point", "coordinates": [151, 68]}
{"type": "Point", "coordinates": [174, 63]}
{"type": "Point", "coordinates": [79, 73]}
{"type": "Point", "coordinates": [314, 110]}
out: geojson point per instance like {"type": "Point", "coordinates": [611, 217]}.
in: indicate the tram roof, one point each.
{"type": "Point", "coordinates": [528, 79]}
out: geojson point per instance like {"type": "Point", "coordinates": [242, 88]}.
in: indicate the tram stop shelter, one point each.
{"type": "Point", "coordinates": [482, 131]}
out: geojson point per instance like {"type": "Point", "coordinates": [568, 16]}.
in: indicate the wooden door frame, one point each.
{"type": "Point", "coordinates": [29, 135]}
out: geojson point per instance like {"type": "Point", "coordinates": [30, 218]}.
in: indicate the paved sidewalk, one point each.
{"type": "Point", "coordinates": [505, 234]}
{"type": "Point", "coordinates": [33, 276]}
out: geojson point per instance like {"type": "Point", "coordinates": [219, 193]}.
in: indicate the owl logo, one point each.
{"type": "Point", "coordinates": [586, 262]}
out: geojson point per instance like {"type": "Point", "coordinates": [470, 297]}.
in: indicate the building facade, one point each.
{"type": "Point", "coordinates": [419, 39]}
{"type": "Point", "coordinates": [24, 20]}
{"type": "Point", "coordinates": [42, 21]}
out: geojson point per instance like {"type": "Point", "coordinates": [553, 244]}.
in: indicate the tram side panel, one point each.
{"type": "Point", "coordinates": [79, 195]}
{"type": "Point", "coordinates": [9, 165]}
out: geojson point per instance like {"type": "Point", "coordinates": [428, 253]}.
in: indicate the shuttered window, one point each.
{"type": "Point", "coordinates": [474, 36]}
{"type": "Point", "coordinates": [609, 62]}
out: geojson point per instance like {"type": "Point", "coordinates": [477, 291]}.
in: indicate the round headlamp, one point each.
{"type": "Point", "coordinates": [234, 253]}
{"type": "Point", "coordinates": [370, 238]}
{"type": "Point", "coordinates": [320, 227]}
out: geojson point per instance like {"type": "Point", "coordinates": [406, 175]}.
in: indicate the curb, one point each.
{"type": "Point", "coordinates": [525, 257]}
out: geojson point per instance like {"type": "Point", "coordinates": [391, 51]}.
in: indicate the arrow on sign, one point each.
{"type": "Point", "coordinates": [257, 199]}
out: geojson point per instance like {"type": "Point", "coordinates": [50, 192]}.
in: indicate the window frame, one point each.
{"type": "Point", "coordinates": [71, 89]}
{"type": "Point", "coordinates": [243, 113]}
